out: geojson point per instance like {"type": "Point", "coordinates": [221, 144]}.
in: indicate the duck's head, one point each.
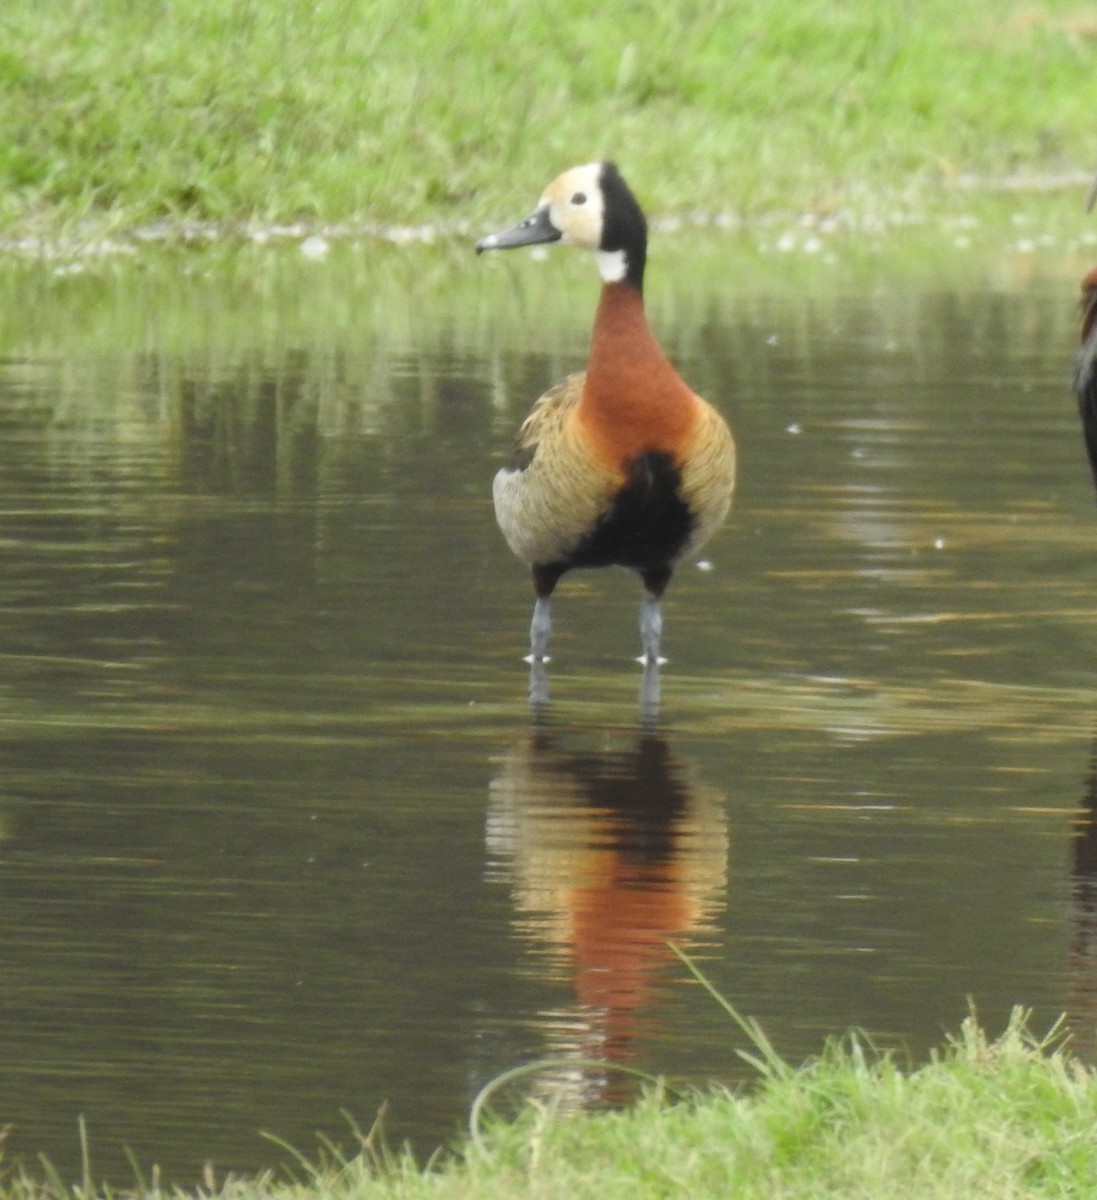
{"type": "Point", "coordinates": [590, 207]}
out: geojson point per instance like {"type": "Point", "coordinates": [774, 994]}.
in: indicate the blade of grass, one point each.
{"type": "Point", "coordinates": [767, 1061]}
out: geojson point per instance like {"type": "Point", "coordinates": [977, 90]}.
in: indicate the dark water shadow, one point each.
{"type": "Point", "coordinates": [1082, 1002]}
{"type": "Point", "coordinates": [611, 853]}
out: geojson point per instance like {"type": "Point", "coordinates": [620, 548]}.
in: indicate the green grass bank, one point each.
{"type": "Point", "coordinates": [122, 113]}
{"type": "Point", "coordinates": [983, 1120]}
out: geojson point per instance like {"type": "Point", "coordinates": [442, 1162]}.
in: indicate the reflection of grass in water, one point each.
{"type": "Point", "coordinates": [221, 300]}
{"type": "Point", "coordinates": [368, 341]}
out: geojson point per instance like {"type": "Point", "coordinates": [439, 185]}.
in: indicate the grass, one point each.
{"type": "Point", "coordinates": [126, 112]}
{"type": "Point", "coordinates": [996, 1119]}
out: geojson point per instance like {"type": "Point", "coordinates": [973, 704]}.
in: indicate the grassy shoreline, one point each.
{"type": "Point", "coordinates": [381, 113]}
{"type": "Point", "coordinates": [1010, 1117]}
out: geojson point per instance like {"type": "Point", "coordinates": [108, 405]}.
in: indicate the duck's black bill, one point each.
{"type": "Point", "coordinates": [534, 230]}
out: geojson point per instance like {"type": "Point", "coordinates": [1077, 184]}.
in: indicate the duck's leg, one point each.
{"type": "Point", "coordinates": [545, 580]}
{"type": "Point", "coordinates": [651, 630]}
{"type": "Point", "coordinates": [651, 615]}
{"type": "Point", "coordinates": [540, 629]}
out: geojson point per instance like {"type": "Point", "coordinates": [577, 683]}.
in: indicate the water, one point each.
{"type": "Point", "coordinates": [278, 837]}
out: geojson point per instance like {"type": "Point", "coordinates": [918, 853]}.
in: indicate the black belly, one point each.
{"type": "Point", "coordinates": [646, 528]}
{"type": "Point", "coordinates": [648, 525]}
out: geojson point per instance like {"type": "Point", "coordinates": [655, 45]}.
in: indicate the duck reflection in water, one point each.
{"type": "Point", "coordinates": [610, 855]}
{"type": "Point", "coordinates": [1083, 923]}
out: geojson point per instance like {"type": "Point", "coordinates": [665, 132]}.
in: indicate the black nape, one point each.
{"type": "Point", "coordinates": [624, 226]}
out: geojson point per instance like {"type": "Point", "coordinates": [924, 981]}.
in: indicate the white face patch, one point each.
{"type": "Point", "coordinates": [612, 265]}
{"type": "Point", "coordinates": [576, 204]}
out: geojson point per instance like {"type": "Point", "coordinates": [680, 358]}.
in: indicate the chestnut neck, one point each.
{"type": "Point", "coordinates": [633, 399]}
{"type": "Point", "coordinates": [621, 333]}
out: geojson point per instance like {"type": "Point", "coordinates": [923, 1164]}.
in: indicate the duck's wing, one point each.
{"type": "Point", "coordinates": [546, 420]}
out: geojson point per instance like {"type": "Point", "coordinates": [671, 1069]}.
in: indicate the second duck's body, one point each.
{"type": "Point", "coordinates": [1085, 369]}
{"type": "Point", "coordinates": [622, 464]}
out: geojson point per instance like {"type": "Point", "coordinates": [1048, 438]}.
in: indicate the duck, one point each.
{"type": "Point", "coordinates": [1085, 361]}
{"type": "Point", "coordinates": [621, 464]}
{"type": "Point", "coordinates": [1085, 368]}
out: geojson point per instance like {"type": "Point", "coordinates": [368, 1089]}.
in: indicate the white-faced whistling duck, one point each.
{"type": "Point", "coordinates": [1085, 364]}
{"type": "Point", "coordinates": [621, 464]}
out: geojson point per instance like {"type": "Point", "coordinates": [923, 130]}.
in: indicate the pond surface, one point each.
{"type": "Point", "coordinates": [279, 838]}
